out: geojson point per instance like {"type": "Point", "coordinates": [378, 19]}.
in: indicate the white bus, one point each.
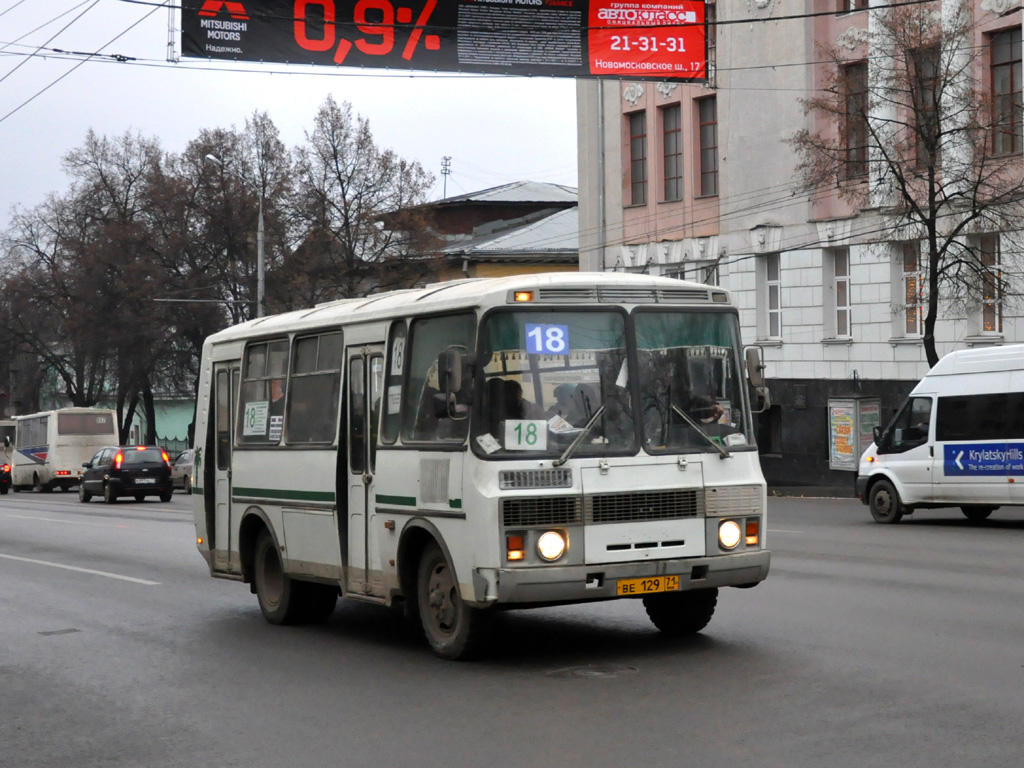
{"type": "Point", "coordinates": [484, 444]}
{"type": "Point", "coordinates": [50, 446]}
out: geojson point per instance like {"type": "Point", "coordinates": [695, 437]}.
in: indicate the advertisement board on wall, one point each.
{"type": "Point", "coordinates": [639, 39]}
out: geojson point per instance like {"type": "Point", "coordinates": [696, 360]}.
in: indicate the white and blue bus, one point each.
{"type": "Point", "coordinates": [485, 444]}
{"type": "Point", "coordinates": [51, 446]}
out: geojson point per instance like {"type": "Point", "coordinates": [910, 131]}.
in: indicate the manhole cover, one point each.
{"type": "Point", "coordinates": [594, 670]}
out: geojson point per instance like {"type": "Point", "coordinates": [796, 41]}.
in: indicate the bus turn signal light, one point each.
{"type": "Point", "coordinates": [753, 532]}
{"type": "Point", "coordinates": [515, 549]}
{"type": "Point", "coordinates": [524, 296]}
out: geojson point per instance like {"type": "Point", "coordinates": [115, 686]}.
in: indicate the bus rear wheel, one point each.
{"type": "Point", "coordinates": [884, 503]}
{"type": "Point", "coordinates": [678, 614]}
{"type": "Point", "coordinates": [453, 629]}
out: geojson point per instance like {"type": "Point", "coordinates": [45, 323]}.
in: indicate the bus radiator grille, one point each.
{"type": "Point", "coordinates": [548, 510]}
{"type": "Point", "coordinates": [647, 505]}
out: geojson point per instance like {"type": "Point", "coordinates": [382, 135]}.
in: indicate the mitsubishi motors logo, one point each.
{"type": "Point", "coordinates": [213, 7]}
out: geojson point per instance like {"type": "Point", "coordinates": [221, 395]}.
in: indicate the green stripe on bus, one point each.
{"type": "Point", "coordinates": [455, 503]}
{"type": "Point", "coordinates": [275, 493]}
{"type": "Point", "coordinates": [405, 501]}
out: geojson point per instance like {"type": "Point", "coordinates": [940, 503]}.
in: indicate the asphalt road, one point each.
{"type": "Point", "coordinates": [868, 645]}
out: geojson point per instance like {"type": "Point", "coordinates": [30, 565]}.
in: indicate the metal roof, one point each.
{"type": "Point", "coordinates": [557, 233]}
{"type": "Point", "coordinates": [517, 192]}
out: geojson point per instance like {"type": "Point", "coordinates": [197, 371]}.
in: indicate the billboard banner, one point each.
{"type": "Point", "coordinates": [637, 40]}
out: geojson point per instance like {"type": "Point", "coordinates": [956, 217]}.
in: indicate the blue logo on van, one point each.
{"type": "Point", "coordinates": [983, 459]}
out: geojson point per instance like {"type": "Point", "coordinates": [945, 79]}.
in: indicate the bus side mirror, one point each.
{"type": "Point", "coordinates": [755, 375]}
{"type": "Point", "coordinates": [454, 370]}
{"type": "Point", "coordinates": [876, 433]}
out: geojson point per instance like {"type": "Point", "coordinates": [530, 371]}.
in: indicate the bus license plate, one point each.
{"type": "Point", "coordinates": [648, 585]}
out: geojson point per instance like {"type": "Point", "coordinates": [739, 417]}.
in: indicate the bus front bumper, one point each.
{"type": "Point", "coordinates": [579, 583]}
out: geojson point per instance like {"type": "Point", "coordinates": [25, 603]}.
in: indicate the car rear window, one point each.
{"type": "Point", "coordinates": [147, 456]}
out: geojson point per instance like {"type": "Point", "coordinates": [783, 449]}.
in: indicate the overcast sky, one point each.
{"type": "Point", "coordinates": [495, 129]}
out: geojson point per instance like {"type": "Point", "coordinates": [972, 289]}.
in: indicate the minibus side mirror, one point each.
{"type": "Point", "coordinates": [454, 377]}
{"type": "Point", "coordinates": [876, 433]}
{"type": "Point", "coordinates": [755, 375]}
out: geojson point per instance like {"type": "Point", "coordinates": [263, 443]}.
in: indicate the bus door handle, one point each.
{"type": "Point", "coordinates": [367, 478]}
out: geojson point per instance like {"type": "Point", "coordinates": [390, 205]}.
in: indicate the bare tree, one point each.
{"type": "Point", "coordinates": [910, 131]}
{"type": "Point", "coordinates": [346, 186]}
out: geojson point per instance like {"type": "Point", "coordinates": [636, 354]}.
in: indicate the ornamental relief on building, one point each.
{"type": "Point", "coordinates": [853, 38]}
{"type": "Point", "coordinates": [633, 93]}
{"type": "Point", "coordinates": [999, 7]}
{"type": "Point", "coordinates": [666, 89]}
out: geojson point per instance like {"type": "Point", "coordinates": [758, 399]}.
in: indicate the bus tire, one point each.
{"type": "Point", "coordinates": [318, 601]}
{"type": "Point", "coordinates": [39, 486]}
{"type": "Point", "coordinates": [83, 495]}
{"type": "Point", "coordinates": [109, 494]}
{"type": "Point", "coordinates": [884, 503]}
{"type": "Point", "coordinates": [679, 614]}
{"type": "Point", "coordinates": [280, 597]}
{"type": "Point", "coordinates": [976, 512]}
{"type": "Point", "coordinates": [453, 629]}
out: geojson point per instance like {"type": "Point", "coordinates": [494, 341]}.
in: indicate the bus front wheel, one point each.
{"type": "Point", "coordinates": [884, 503]}
{"type": "Point", "coordinates": [682, 613]}
{"type": "Point", "coordinates": [452, 628]}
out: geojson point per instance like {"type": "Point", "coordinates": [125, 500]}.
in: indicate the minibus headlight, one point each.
{"type": "Point", "coordinates": [551, 545]}
{"type": "Point", "coordinates": [729, 534]}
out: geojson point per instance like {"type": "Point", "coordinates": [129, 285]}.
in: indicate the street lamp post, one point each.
{"type": "Point", "coordinates": [260, 260]}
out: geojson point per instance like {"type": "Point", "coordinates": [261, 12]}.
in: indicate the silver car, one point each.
{"type": "Point", "coordinates": [181, 470]}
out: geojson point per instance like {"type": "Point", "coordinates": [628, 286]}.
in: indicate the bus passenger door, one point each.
{"type": "Point", "coordinates": [225, 385]}
{"type": "Point", "coordinates": [365, 381]}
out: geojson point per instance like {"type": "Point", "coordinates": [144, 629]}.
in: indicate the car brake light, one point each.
{"type": "Point", "coordinates": [167, 459]}
{"type": "Point", "coordinates": [118, 459]}
{"type": "Point", "coordinates": [7, 467]}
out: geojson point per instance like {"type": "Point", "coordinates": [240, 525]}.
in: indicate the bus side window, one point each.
{"type": "Point", "coordinates": [910, 427]}
{"type": "Point", "coordinates": [424, 411]}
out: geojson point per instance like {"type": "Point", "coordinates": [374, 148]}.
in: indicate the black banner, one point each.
{"type": "Point", "coordinates": [643, 39]}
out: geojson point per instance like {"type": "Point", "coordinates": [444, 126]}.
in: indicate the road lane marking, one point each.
{"type": "Point", "coordinates": [69, 522]}
{"type": "Point", "coordinates": [82, 570]}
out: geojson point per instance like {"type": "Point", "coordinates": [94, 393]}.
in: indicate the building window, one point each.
{"type": "Point", "coordinates": [926, 104]}
{"type": "Point", "coordinates": [773, 295]}
{"type": "Point", "coordinates": [991, 285]}
{"type": "Point", "coordinates": [1006, 92]}
{"type": "Point", "coordinates": [672, 132]}
{"type": "Point", "coordinates": [855, 129]}
{"type": "Point", "coordinates": [638, 158]}
{"type": "Point", "coordinates": [913, 290]}
{"type": "Point", "coordinates": [841, 291]}
{"type": "Point", "coordinates": [697, 271]}
{"type": "Point", "coordinates": [707, 112]}
{"type": "Point", "coordinates": [847, 6]}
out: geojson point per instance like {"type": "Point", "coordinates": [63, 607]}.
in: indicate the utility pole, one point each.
{"type": "Point", "coordinates": [446, 171]}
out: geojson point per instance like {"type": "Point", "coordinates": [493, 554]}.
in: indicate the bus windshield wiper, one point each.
{"type": "Point", "coordinates": [702, 433]}
{"type": "Point", "coordinates": [579, 438]}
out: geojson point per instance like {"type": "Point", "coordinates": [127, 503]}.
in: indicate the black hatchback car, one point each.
{"type": "Point", "coordinates": [127, 470]}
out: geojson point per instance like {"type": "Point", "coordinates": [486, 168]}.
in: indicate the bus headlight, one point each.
{"type": "Point", "coordinates": [551, 545]}
{"type": "Point", "coordinates": [729, 534]}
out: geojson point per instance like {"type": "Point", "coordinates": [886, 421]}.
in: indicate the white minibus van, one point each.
{"type": "Point", "coordinates": [958, 440]}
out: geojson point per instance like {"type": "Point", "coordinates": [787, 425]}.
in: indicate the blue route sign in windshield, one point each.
{"type": "Point", "coordinates": [983, 459]}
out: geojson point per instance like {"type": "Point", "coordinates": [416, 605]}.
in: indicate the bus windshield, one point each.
{"type": "Point", "coordinates": [546, 375]}
{"type": "Point", "coordinates": [690, 383]}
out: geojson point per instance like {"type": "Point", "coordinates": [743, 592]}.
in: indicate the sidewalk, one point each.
{"type": "Point", "coordinates": [811, 491]}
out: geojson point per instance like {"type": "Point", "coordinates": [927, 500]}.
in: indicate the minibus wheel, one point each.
{"type": "Point", "coordinates": [681, 613]}
{"type": "Point", "coordinates": [452, 628]}
{"type": "Point", "coordinates": [884, 503]}
{"type": "Point", "coordinates": [976, 512]}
